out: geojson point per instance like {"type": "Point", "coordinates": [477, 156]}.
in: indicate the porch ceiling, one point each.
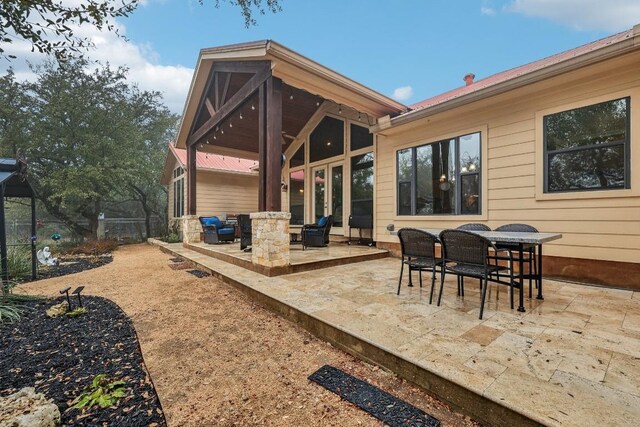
{"type": "Point", "coordinates": [241, 134]}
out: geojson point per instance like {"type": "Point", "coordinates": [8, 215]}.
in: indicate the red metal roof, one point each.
{"type": "Point", "coordinates": [519, 71]}
{"type": "Point", "coordinates": [215, 161]}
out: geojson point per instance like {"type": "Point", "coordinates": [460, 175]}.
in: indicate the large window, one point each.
{"type": "Point", "coordinates": [441, 178]}
{"type": "Point", "coordinates": [178, 192]}
{"type": "Point", "coordinates": [587, 148]}
{"type": "Point", "coordinates": [360, 137]}
{"type": "Point", "coordinates": [326, 140]}
{"type": "Point", "coordinates": [362, 185]}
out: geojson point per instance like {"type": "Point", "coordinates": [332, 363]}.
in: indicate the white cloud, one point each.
{"type": "Point", "coordinates": [609, 15]}
{"type": "Point", "coordinates": [403, 93]}
{"type": "Point", "coordinates": [141, 60]}
{"type": "Point", "coordinates": [488, 11]}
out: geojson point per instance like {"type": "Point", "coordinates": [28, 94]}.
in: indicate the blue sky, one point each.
{"type": "Point", "coordinates": [425, 47]}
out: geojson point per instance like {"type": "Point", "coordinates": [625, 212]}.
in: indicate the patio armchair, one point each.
{"type": "Point", "coordinates": [244, 222]}
{"type": "Point", "coordinates": [216, 231]}
{"type": "Point", "coordinates": [467, 254]}
{"type": "Point", "coordinates": [317, 235]}
{"type": "Point", "coordinates": [419, 254]}
{"type": "Point", "coordinates": [528, 252]}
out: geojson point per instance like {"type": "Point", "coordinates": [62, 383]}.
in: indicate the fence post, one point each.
{"type": "Point", "coordinates": [101, 228]}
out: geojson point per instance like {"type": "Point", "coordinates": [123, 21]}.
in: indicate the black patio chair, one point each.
{"type": "Point", "coordinates": [244, 222]}
{"type": "Point", "coordinates": [467, 254]}
{"type": "Point", "coordinates": [317, 235]}
{"type": "Point", "coordinates": [472, 226]}
{"type": "Point", "coordinates": [528, 252]}
{"type": "Point", "coordinates": [419, 254]}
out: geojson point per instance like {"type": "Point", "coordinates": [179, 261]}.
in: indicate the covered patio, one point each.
{"type": "Point", "coordinates": [298, 119]}
{"type": "Point", "coordinates": [571, 359]}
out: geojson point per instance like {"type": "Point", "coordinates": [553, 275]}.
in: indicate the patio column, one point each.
{"type": "Point", "coordinates": [270, 145]}
{"type": "Point", "coordinates": [191, 179]}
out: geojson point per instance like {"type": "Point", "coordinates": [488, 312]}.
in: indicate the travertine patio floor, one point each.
{"type": "Point", "coordinates": [572, 359]}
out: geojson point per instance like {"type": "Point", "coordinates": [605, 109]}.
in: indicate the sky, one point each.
{"type": "Point", "coordinates": [406, 49]}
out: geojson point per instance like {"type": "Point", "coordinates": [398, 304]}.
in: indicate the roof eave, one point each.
{"type": "Point", "coordinates": [623, 47]}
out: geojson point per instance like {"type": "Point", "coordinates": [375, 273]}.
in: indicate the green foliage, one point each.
{"type": "Point", "coordinates": [35, 21]}
{"type": "Point", "coordinates": [9, 312]}
{"type": "Point", "coordinates": [102, 392]}
{"type": "Point", "coordinates": [19, 261]}
{"type": "Point", "coordinates": [52, 27]}
{"type": "Point", "coordinates": [77, 312]}
{"type": "Point", "coordinates": [174, 235]}
{"type": "Point", "coordinates": [10, 308]}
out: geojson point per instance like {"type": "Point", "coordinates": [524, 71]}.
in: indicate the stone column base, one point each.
{"type": "Point", "coordinates": [191, 229]}
{"type": "Point", "coordinates": [270, 238]}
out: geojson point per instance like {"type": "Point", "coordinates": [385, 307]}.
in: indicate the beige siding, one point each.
{"type": "Point", "coordinates": [218, 193]}
{"type": "Point", "coordinates": [595, 225]}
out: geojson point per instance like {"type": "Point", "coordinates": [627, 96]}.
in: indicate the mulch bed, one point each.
{"type": "Point", "coordinates": [73, 264]}
{"type": "Point", "coordinates": [60, 357]}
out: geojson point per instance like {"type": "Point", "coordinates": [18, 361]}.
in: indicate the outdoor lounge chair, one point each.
{"type": "Point", "coordinates": [216, 231]}
{"type": "Point", "coordinates": [419, 254]}
{"type": "Point", "coordinates": [466, 254]}
{"type": "Point", "coordinates": [244, 222]}
{"type": "Point", "coordinates": [317, 235]}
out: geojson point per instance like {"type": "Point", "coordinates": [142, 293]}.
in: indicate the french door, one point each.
{"type": "Point", "coordinates": [328, 194]}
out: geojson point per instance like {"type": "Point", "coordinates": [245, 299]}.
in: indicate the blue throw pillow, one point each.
{"type": "Point", "coordinates": [323, 221]}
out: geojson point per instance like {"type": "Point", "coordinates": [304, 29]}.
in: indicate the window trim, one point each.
{"type": "Point", "coordinates": [634, 157]}
{"type": "Point", "coordinates": [481, 215]}
{"type": "Point", "coordinates": [626, 144]}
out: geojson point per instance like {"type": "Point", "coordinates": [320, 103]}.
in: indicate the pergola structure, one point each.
{"type": "Point", "coordinates": [14, 183]}
{"type": "Point", "coordinates": [251, 100]}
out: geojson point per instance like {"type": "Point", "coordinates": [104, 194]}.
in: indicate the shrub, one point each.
{"type": "Point", "coordinates": [19, 261]}
{"type": "Point", "coordinates": [10, 308]}
{"type": "Point", "coordinates": [93, 247]}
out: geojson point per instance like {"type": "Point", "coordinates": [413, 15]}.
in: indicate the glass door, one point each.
{"type": "Point", "coordinates": [319, 193]}
{"type": "Point", "coordinates": [328, 193]}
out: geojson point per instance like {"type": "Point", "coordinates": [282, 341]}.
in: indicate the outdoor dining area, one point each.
{"type": "Point", "coordinates": [508, 255]}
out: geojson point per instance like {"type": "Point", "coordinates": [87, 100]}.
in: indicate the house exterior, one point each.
{"type": "Point", "coordinates": [227, 185]}
{"type": "Point", "coordinates": [553, 144]}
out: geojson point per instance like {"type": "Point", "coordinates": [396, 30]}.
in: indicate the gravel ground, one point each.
{"type": "Point", "coordinates": [216, 358]}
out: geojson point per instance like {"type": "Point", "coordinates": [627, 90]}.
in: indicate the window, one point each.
{"type": "Point", "coordinates": [296, 197]}
{"type": "Point", "coordinates": [587, 148]}
{"type": "Point", "coordinates": [326, 140]}
{"type": "Point", "coordinates": [362, 185]}
{"type": "Point", "coordinates": [360, 137]}
{"type": "Point", "coordinates": [178, 192]}
{"type": "Point", "coordinates": [441, 178]}
{"type": "Point", "coordinates": [298, 158]}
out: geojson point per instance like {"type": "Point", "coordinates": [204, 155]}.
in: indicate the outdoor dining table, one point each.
{"type": "Point", "coordinates": [521, 239]}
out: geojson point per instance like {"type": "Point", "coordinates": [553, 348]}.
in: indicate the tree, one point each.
{"type": "Point", "coordinates": [50, 25]}
{"type": "Point", "coordinates": [87, 140]}
{"type": "Point", "coordinates": [14, 117]}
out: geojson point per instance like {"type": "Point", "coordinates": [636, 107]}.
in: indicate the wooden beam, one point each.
{"type": "Point", "coordinates": [234, 103]}
{"type": "Point", "coordinates": [191, 180]}
{"type": "Point", "coordinates": [216, 79]}
{"type": "Point", "coordinates": [204, 96]}
{"type": "Point", "coordinates": [209, 106]}
{"type": "Point", "coordinates": [273, 144]}
{"type": "Point", "coordinates": [262, 147]}
{"type": "Point", "coordinates": [242, 66]}
{"type": "Point", "coordinates": [223, 97]}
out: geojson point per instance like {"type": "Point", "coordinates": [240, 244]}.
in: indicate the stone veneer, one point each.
{"type": "Point", "coordinates": [270, 238]}
{"type": "Point", "coordinates": [191, 229]}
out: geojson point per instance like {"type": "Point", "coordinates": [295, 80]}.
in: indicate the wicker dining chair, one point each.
{"type": "Point", "coordinates": [472, 226]}
{"type": "Point", "coordinates": [419, 254]}
{"type": "Point", "coordinates": [529, 251]}
{"type": "Point", "coordinates": [467, 254]}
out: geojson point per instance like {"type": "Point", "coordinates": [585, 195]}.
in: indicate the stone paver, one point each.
{"type": "Point", "coordinates": [571, 359]}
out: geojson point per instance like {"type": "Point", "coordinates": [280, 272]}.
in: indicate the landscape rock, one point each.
{"type": "Point", "coordinates": [26, 408]}
{"type": "Point", "coordinates": [58, 309]}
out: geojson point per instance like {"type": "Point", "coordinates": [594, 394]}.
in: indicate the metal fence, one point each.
{"type": "Point", "coordinates": [120, 229]}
